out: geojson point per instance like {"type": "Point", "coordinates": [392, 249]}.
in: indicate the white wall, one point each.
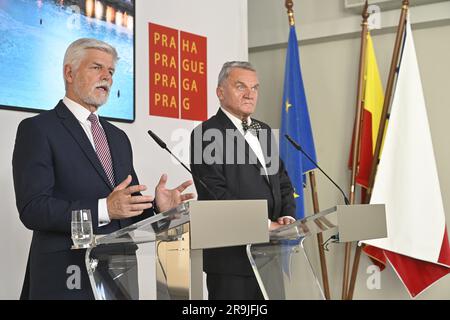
{"type": "Point", "coordinates": [329, 61]}
{"type": "Point", "coordinates": [14, 238]}
{"type": "Point", "coordinates": [200, 17]}
{"type": "Point", "coordinates": [223, 22]}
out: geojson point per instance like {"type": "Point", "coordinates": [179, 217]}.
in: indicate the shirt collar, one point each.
{"type": "Point", "coordinates": [235, 120]}
{"type": "Point", "coordinates": [80, 112]}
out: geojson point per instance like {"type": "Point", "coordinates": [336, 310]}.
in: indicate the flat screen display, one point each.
{"type": "Point", "coordinates": [34, 35]}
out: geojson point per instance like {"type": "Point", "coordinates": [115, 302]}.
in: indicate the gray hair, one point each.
{"type": "Point", "coordinates": [77, 49]}
{"type": "Point", "coordinates": [227, 66]}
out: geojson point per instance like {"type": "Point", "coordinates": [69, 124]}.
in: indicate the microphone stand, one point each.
{"type": "Point", "coordinates": [163, 145]}
{"type": "Point", "coordinates": [299, 148]}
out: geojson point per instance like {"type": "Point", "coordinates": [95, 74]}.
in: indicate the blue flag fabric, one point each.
{"type": "Point", "coordinates": [295, 122]}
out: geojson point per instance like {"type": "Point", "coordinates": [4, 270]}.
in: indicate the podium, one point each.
{"type": "Point", "coordinates": [167, 249]}
{"type": "Point", "coordinates": [283, 266]}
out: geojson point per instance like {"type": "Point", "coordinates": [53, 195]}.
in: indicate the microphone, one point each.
{"type": "Point", "coordinates": [299, 148]}
{"type": "Point", "coordinates": [163, 145]}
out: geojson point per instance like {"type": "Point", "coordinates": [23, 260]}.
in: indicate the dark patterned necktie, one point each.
{"type": "Point", "coordinates": [254, 127]}
{"type": "Point", "coordinates": [102, 147]}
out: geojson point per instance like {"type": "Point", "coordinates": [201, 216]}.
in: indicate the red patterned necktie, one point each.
{"type": "Point", "coordinates": [102, 147]}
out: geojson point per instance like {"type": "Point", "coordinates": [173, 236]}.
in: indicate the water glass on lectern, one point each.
{"type": "Point", "coordinates": [82, 234]}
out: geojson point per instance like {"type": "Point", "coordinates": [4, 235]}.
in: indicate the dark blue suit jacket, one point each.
{"type": "Point", "coordinates": [56, 170]}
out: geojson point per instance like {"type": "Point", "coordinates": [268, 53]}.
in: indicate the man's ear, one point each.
{"type": "Point", "coordinates": [219, 93]}
{"type": "Point", "coordinates": [68, 73]}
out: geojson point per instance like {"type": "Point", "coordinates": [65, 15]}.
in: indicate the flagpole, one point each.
{"type": "Point", "coordinates": [383, 119]}
{"type": "Point", "coordinates": [356, 140]}
{"type": "Point", "coordinates": [312, 178]}
{"type": "Point", "coordinates": [323, 261]}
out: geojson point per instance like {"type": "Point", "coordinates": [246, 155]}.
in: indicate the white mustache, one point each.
{"type": "Point", "coordinates": [103, 83]}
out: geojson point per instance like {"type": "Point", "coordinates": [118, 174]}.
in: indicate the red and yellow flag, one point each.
{"type": "Point", "coordinates": [372, 99]}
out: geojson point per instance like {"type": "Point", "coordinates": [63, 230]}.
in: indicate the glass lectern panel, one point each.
{"type": "Point", "coordinates": [283, 266]}
{"type": "Point", "coordinates": [123, 265]}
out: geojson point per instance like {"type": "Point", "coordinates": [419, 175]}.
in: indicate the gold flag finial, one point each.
{"type": "Point", "coordinates": [365, 13]}
{"type": "Point", "coordinates": [289, 5]}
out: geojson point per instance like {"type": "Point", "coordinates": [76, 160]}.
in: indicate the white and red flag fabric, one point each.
{"type": "Point", "coordinates": [407, 182]}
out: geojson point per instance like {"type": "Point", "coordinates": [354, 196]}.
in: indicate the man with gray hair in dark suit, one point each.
{"type": "Point", "coordinates": [243, 164]}
{"type": "Point", "coordinates": [69, 158]}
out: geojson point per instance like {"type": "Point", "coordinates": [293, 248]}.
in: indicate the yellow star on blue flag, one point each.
{"type": "Point", "coordinates": [288, 105]}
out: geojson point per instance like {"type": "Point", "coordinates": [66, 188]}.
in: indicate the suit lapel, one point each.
{"type": "Point", "coordinates": [266, 147]}
{"type": "Point", "coordinates": [73, 126]}
{"type": "Point", "coordinates": [227, 124]}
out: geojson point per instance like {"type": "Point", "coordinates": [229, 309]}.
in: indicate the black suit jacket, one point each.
{"type": "Point", "coordinates": [56, 170]}
{"type": "Point", "coordinates": [234, 179]}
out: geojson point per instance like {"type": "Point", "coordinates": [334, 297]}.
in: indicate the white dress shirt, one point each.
{"type": "Point", "coordinates": [81, 113]}
{"type": "Point", "coordinates": [251, 139]}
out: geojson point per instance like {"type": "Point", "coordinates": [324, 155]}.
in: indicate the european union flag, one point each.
{"type": "Point", "coordinates": [295, 122]}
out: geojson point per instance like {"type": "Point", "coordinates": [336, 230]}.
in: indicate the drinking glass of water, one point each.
{"type": "Point", "coordinates": [82, 235]}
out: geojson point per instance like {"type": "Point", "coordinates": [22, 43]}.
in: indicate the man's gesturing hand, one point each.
{"type": "Point", "coordinates": [122, 204]}
{"type": "Point", "coordinates": [167, 199]}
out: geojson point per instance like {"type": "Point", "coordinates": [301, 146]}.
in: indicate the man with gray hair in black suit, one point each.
{"type": "Point", "coordinates": [244, 164]}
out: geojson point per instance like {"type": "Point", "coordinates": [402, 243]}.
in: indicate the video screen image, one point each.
{"type": "Point", "coordinates": [34, 35]}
